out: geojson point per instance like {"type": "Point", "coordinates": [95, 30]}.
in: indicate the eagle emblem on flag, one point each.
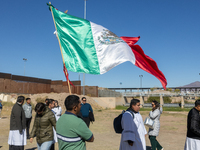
{"type": "Point", "coordinates": [107, 37]}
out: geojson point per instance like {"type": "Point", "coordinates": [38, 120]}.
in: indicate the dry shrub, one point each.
{"type": "Point", "coordinates": [7, 104]}
{"type": "Point", "coordinates": [41, 99]}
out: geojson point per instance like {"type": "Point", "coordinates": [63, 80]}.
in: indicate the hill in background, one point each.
{"type": "Point", "coordinates": [193, 84]}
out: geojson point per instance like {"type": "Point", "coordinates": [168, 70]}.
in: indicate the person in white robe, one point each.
{"type": "Point", "coordinates": [57, 110]}
{"type": "Point", "coordinates": [193, 128]}
{"type": "Point", "coordinates": [133, 134]}
{"type": "Point", "coordinates": [17, 134]}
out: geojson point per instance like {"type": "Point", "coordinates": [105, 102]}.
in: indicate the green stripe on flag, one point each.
{"type": "Point", "coordinates": [77, 43]}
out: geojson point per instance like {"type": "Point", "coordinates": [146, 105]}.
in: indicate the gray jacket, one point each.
{"type": "Point", "coordinates": [27, 110]}
{"type": "Point", "coordinates": [155, 115]}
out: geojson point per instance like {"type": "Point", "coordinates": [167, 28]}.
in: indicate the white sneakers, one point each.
{"type": "Point", "coordinates": [162, 149]}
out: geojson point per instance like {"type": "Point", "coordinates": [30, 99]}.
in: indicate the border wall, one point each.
{"type": "Point", "coordinates": [20, 84]}
{"type": "Point", "coordinates": [29, 85]}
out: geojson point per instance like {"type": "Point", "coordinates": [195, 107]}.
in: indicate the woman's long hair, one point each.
{"type": "Point", "coordinates": [40, 107]}
{"type": "Point", "coordinates": [156, 104]}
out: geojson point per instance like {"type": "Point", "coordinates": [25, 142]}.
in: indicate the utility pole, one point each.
{"type": "Point", "coordinates": [140, 80]}
{"type": "Point", "coordinates": [24, 59]}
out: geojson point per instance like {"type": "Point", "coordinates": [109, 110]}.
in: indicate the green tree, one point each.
{"type": "Point", "coordinates": [165, 99]}
{"type": "Point", "coordinates": [152, 89]}
{"type": "Point", "coordinates": [169, 89]}
{"type": "Point", "coordinates": [177, 90]}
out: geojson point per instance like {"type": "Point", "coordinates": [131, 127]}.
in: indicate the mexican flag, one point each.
{"type": "Point", "coordinates": [91, 48]}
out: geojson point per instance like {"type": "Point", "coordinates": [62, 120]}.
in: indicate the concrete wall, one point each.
{"type": "Point", "coordinates": [120, 101]}
{"type": "Point", "coordinates": [6, 98]}
{"type": "Point", "coordinates": [105, 102]}
{"type": "Point", "coordinates": [108, 93]}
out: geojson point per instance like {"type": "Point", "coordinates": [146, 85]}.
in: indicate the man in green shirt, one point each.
{"type": "Point", "coordinates": [72, 132]}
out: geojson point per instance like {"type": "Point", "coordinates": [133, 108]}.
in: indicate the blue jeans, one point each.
{"type": "Point", "coordinates": [45, 145]}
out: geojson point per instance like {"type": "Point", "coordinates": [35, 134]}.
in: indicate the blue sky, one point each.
{"type": "Point", "coordinates": [169, 31]}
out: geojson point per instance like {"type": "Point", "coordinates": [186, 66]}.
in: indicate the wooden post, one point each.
{"type": "Point", "coordinates": [161, 100]}
{"type": "Point", "coordinates": [60, 47]}
{"type": "Point", "coordinates": [141, 101]}
{"type": "Point", "coordinates": [182, 102]}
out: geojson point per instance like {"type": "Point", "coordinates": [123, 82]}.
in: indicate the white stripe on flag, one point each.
{"type": "Point", "coordinates": [110, 54]}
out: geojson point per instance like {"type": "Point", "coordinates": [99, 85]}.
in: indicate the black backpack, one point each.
{"type": "Point", "coordinates": [117, 122]}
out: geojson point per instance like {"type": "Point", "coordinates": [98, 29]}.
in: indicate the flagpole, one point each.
{"type": "Point", "coordinates": [84, 73]}
{"type": "Point", "coordinates": [60, 48]}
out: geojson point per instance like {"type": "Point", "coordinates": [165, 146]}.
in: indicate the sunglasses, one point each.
{"type": "Point", "coordinates": [84, 100]}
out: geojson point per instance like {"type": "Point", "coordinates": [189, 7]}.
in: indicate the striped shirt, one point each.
{"type": "Point", "coordinates": [72, 132]}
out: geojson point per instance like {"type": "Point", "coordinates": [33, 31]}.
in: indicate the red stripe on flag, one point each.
{"type": "Point", "coordinates": [145, 62]}
{"type": "Point", "coordinates": [67, 75]}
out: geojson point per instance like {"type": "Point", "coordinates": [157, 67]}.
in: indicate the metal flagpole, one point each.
{"type": "Point", "coordinates": [84, 73]}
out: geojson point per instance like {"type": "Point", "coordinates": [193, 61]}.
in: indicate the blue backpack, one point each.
{"type": "Point", "coordinates": [117, 122]}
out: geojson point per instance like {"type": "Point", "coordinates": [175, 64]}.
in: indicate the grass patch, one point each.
{"type": "Point", "coordinates": [176, 109]}
{"type": "Point", "coordinates": [119, 107]}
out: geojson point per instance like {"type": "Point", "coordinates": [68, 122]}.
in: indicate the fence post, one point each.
{"type": "Point", "coordinates": [141, 101]}
{"type": "Point", "coordinates": [182, 102]}
{"type": "Point", "coordinates": [161, 100]}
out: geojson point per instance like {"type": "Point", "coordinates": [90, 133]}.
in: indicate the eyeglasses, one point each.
{"type": "Point", "coordinates": [84, 100]}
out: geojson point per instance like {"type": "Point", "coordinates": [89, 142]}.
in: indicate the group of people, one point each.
{"type": "Point", "coordinates": [46, 121]}
{"type": "Point", "coordinates": [134, 132]}
{"type": "Point", "coordinates": [71, 130]}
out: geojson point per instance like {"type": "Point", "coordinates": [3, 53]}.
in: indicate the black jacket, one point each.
{"type": "Point", "coordinates": [193, 124]}
{"type": "Point", "coordinates": [91, 116]}
{"type": "Point", "coordinates": [17, 118]}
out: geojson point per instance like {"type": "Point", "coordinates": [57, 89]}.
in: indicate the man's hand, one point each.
{"type": "Point", "coordinates": [130, 142]}
{"type": "Point", "coordinates": [20, 131]}
{"type": "Point", "coordinates": [91, 140]}
{"type": "Point", "coordinates": [31, 140]}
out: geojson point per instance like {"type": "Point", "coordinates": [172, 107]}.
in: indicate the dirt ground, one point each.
{"type": "Point", "coordinates": [172, 133]}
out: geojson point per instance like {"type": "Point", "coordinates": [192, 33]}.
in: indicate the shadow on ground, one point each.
{"type": "Point", "coordinates": [34, 148]}
{"type": "Point", "coordinates": [148, 148]}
